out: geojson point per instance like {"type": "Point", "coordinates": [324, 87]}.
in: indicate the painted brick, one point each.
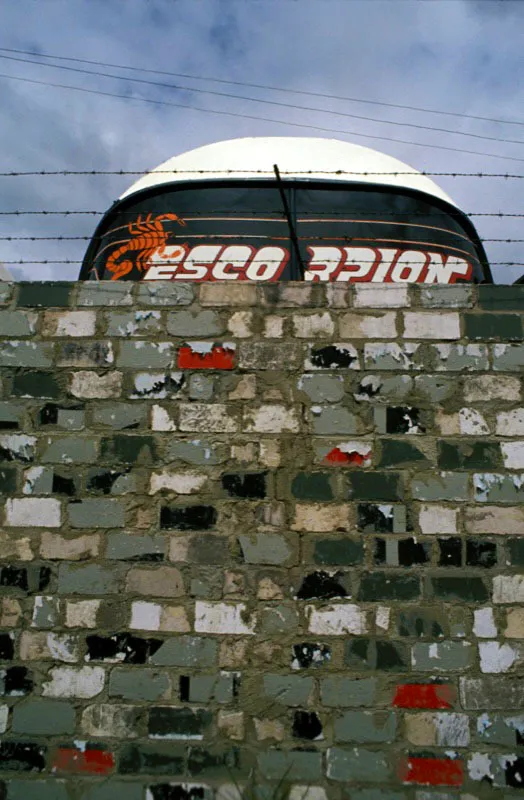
{"type": "Point", "coordinates": [357, 765]}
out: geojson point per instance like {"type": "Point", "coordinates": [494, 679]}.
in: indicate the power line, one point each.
{"type": "Point", "coordinates": [264, 102]}
{"type": "Point", "coordinates": [265, 86]}
{"type": "Point", "coordinates": [258, 118]}
{"type": "Point", "coordinates": [38, 173]}
{"type": "Point", "coordinates": [364, 214]}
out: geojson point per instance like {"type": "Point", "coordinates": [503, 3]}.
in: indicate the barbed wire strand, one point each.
{"type": "Point", "coordinates": [366, 173]}
{"type": "Point", "coordinates": [230, 95]}
{"type": "Point", "coordinates": [281, 89]}
{"type": "Point", "coordinates": [315, 214]}
{"type": "Point", "coordinates": [266, 261]}
{"type": "Point", "coordinates": [211, 236]}
{"type": "Point", "coordinates": [257, 118]}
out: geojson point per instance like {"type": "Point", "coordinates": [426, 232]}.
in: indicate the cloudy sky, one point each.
{"type": "Point", "coordinates": [459, 56]}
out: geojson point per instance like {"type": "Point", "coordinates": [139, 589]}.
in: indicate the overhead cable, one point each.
{"type": "Point", "coordinates": [258, 118]}
{"type": "Point", "coordinates": [286, 90]}
{"type": "Point", "coordinates": [262, 101]}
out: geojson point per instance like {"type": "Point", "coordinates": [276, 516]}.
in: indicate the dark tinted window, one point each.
{"type": "Point", "coordinates": [238, 231]}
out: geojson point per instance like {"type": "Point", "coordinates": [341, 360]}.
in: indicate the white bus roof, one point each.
{"type": "Point", "coordinates": [296, 157]}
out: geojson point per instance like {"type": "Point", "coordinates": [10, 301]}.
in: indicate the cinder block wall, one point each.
{"type": "Point", "coordinates": [261, 530]}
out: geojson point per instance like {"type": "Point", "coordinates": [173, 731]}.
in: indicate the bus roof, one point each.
{"type": "Point", "coordinates": [296, 157]}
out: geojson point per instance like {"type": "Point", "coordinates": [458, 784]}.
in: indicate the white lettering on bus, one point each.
{"type": "Point", "coordinates": [326, 263]}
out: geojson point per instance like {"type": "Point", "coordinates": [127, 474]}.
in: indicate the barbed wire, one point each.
{"type": "Point", "coordinates": [211, 236]}
{"type": "Point", "coordinates": [225, 261]}
{"type": "Point", "coordinates": [364, 173]}
{"type": "Point", "coordinates": [234, 214]}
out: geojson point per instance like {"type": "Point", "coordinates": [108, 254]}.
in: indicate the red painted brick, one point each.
{"type": "Point", "coordinates": [432, 771]}
{"type": "Point", "coordinates": [337, 456]}
{"type": "Point", "coordinates": [217, 358]}
{"type": "Point", "coordinates": [424, 695]}
{"type": "Point", "coordinates": [91, 761]}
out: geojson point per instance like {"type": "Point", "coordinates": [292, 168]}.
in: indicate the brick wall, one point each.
{"type": "Point", "coordinates": [261, 530]}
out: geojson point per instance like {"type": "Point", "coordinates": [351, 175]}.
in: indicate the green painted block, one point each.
{"type": "Point", "coordinates": [50, 294]}
{"type": "Point", "coordinates": [312, 486]}
{"type": "Point", "coordinates": [375, 486]}
{"type": "Point", "coordinates": [396, 452]}
{"type": "Point", "coordinates": [485, 327]}
{"type": "Point", "coordinates": [469, 455]}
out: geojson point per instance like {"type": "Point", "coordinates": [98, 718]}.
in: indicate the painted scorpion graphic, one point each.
{"type": "Point", "coordinates": [149, 235]}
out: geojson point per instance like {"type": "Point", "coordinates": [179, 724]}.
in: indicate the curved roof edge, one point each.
{"type": "Point", "coordinates": [296, 157]}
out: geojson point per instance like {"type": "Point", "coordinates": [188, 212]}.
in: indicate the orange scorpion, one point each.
{"type": "Point", "coordinates": [149, 235]}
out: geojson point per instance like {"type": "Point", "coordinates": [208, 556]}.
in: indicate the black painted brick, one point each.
{"type": "Point", "coordinates": [338, 552]}
{"type": "Point", "coordinates": [471, 590]}
{"type": "Point", "coordinates": [187, 518]}
{"type": "Point", "coordinates": [248, 485]}
{"type": "Point", "coordinates": [183, 722]}
{"type": "Point", "coordinates": [387, 586]}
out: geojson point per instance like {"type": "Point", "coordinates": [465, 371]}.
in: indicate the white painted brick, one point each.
{"type": "Point", "coordinates": [33, 512]}
{"type": "Point", "coordinates": [336, 619]}
{"type": "Point", "coordinates": [69, 323]}
{"type": "Point", "coordinates": [510, 423]}
{"type": "Point", "coordinates": [109, 720]}
{"type": "Point", "coordinates": [368, 295]}
{"type": "Point", "coordinates": [177, 482]}
{"type": "Point", "coordinates": [364, 326]}
{"type": "Point", "coordinates": [239, 324]}
{"type": "Point", "coordinates": [321, 518]}
{"type": "Point", "coordinates": [514, 623]}
{"type": "Point", "coordinates": [472, 423]}
{"type": "Point", "coordinates": [4, 715]}
{"type": "Point", "coordinates": [484, 623]}
{"type": "Point", "coordinates": [429, 325]}
{"type": "Point", "coordinates": [482, 388]}
{"type": "Point", "coordinates": [211, 418]}
{"type": "Point", "coordinates": [312, 325]}
{"type": "Point", "coordinates": [161, 420]}
{"type": "Point", "coordinates": [90, 386]}
{"type": "Point", "coordinates": [508, 589]}
{"type": "Point", "coordinates": [300, 792]}
{"type": "Point", "coordinates": [226, 618]}
{"type": "Point", "coordinates": [84, 682]}
{"type": "Point", "coordinates": [42, 646]}
{"type": "Point", "coordinates": [271, 419]}
{"type": "Point", "coordinates": [495, 519]}
{"type": "Point", "coordinates": [496, 657]}
{"type": "Point", "coordinates": [273, 327]}
{"type": "Point", "coordinates": [145, 616]}
{"type": "Point", "coordinates": [513, 454]}
{"type": "Point", "coordinates": [437, 519]}
{"type": "Point", "coordinates": [81, 613]}
{"type": "Point", "coordinates": [382, 618]}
